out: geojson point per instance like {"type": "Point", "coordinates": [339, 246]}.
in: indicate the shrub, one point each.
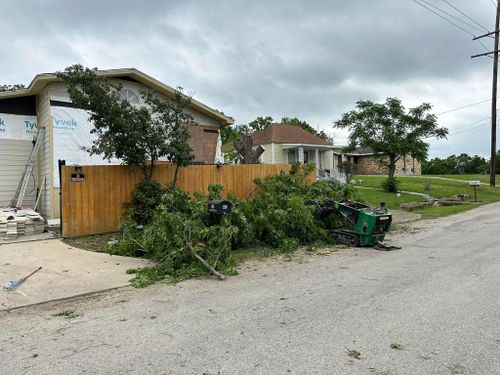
{"type": "Point", "coordinates": [145, 198]}
{"type": "Point", "coordinates": [390, 185]}
{"type": "Point", "coordinates": [178, 230]}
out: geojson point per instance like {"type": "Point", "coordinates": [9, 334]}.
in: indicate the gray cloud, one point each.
{"type": "Point", "coordinates": [309, 59]}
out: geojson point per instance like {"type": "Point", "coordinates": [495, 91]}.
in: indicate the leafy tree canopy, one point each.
{"type": "Point", "coordinates": [390, 130]}
{"type": "Point", "coordinates": [456, 164]}
{"type": "Point", "coordinates": [260, 123]}
{"type": "Point", "coordinates": [230, 134]}
{"type": "Point", "coordinates": [138, 135]}
{"type": "Point", "coordinates": [18, 86]}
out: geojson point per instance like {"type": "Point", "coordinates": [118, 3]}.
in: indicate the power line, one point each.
{"type": "Point", "coordinates": [465, 15]}
{"type": "Point", "coordinates": [484, 46]}
{"type": "Point", "coordinates": [452, 16]}
{"type": "Point", "coordinates": [463, 127]}
{"type": "Point", "coordinates": [469, 124]}
{"type": "Point", "coordinates": [467, 130]}
{"type": "Point", "coordinates": [444, 18]}
{"type": "Point", "coordinates": [494, 91]}
{"type": "Point", "coordinates": [463, 107]}
{"type": "Point", "coordinates": [449, 21]}
{"type": "Point", "coordinates": [493, 3]}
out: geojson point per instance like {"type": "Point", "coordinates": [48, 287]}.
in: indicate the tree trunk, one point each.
{"type": "Point", "coordinates": [151, 169]}
{"type": "Point", "coordinates": [174, 182]}
{"type": "Point", "coordinates": [145, 172]}
{"type": "Point", "coordinates": [392, 167]}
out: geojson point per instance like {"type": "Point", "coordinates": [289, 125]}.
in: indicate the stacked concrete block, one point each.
{"type": "Point", "coordinates": [19, 223]}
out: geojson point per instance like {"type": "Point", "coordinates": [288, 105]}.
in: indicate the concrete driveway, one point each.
{"type": "Point", "coordinates": [65, 272]}
{"type": "Point", "coordinates": [436, 301]}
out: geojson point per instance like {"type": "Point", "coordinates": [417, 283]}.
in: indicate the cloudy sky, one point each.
{"type": "Point", "coordinates": [309, 59]}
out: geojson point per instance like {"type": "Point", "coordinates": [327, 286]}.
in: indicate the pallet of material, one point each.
{"type": "Point", "coordinates": [14, 223]}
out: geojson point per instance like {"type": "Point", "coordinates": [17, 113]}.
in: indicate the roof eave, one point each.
{"type": "Point", "coordinates": [291, 145]}
{"type": "Point", "coordinates": [41, 80]}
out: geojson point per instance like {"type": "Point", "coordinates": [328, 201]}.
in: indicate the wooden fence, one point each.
{"type": "Point", "coordinates": [92, 199]}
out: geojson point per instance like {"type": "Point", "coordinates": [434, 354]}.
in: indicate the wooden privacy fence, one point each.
{"type": "Point", "coordinates": [92, 198]}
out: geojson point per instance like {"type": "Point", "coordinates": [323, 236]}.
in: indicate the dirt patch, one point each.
{"type": "Point", "coordinates": [400, 216]}
{"type": "Point", "coordinates": [96, 242]}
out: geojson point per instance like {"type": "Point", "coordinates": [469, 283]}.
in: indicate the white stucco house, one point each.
{"type": "Point", "coordinates": [45, 103]}
{"type": "Point", "coordinates": [285, 144]}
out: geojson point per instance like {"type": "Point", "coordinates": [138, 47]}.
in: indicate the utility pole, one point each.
{"type": "Point", "coordinates": [493, 95]}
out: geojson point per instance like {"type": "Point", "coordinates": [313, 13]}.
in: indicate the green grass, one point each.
{"type": "Point", "coordinates": [435, 212]}
{"type": "Point", "coordinates": [392, 201]}
{"type": "Point", "coordinates": [68, 314]}
{"type": "Point", "coordinates": [467, 177]}
{"type": "Point", "coordinates": [439, 189]}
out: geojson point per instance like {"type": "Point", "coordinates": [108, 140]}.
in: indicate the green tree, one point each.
{"type": "Point", "coordinates": [138, 135]}
{"type": "Point", "coordinates": [232, 133]}
{"type": "Point", "coordinates": [260, 123]}
{"type": "Point", "coordinates": [476, 165]}
{"type": "Point", "coordinates": [18, 86]}
{"type": "Point", "coordinates": [456, 164]}
{"type": "Point", "coordinates": [391, 131]}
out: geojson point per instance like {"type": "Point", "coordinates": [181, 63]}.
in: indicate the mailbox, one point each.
{"type": "Point", "coordinates": [219, 207]}
{"type": "Point", "coordinates": [475, 184]}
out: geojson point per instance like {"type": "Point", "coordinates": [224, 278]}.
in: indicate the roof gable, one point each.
{"type": "Point", "coordinates": [42, 80]}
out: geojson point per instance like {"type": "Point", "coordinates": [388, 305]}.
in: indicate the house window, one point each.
{"type": "Point", "coordinates": [292, 156]}
{"type": "Point", "coordinates": [129, 96]}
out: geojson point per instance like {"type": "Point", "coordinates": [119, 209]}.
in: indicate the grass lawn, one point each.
{"type": "Point", "coordinates": [439, 189]}
{"type": "Point", "coordinates": [392, 201]}
{"type": "Point", "coordinates": [467, 177]}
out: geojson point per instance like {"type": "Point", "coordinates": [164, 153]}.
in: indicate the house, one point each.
{"type": "Point", "coordinates": [366, 164]}
{"type": "Point", "coordinates": [45, 103]}
{"type": "Point", "coordinates": [285, 144]}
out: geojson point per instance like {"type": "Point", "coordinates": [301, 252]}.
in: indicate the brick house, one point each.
{"type": "Point", "coordinates": [368, 165]}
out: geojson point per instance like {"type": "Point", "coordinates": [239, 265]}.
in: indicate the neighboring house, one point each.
{"type": "Point", "coordinates": [45, 103]}
{"type": "Point", "coordinates": [285, 144]}
{"type": "Point", "coordinates": [368, 165]}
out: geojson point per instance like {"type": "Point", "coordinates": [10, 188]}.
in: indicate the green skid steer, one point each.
{"type": "Point", "coordinates": [363, 225]}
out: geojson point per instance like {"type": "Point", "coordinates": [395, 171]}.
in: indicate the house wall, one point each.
{"type": "Point", "coordinates": [14, 155]}
{"type": "Point", "coordinates": [14, 152]}
{"type": "Point", "coordinates": [367, 165]}
{"type": "Point", "coordinates": [266, 157]}
{"type": "Point", "coordinates": [45, 154]}
{"type": "Point", "coordinates": [281, 156]}
{"type": "Point", "coordinates": [203, 141]}
{"type": "Point", "coordinates": [56, 91]}
{"type": "Point", "coordinates": [327, 157]}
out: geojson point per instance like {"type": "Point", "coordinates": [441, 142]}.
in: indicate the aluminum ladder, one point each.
{"type": "Point", "coordinates": [17, 201]}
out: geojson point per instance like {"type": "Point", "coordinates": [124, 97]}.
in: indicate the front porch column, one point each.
{"type": "Point", "coordinates": [317, 159]}
{"type": "Point", "coordinates": [301, 155]}
{"type": "Point", "coordinates": [332, 161]}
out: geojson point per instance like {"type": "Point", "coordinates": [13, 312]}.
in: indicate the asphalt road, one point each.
{"type": "Point", "coordinates": [437, 301]}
